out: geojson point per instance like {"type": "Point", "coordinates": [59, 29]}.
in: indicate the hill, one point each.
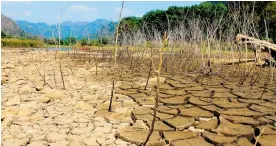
{"type": "Point", "coordinates": [68, 28]}
{"type": "Point", "coordinates": [9, 27]}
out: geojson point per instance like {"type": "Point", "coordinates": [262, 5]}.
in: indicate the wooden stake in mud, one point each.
{"type": "Point", "coordinates": [55, 78]}
{"type": "Point", "coordinates": [42, 76]}
{"type": "Point", "coordinates": [150, 68]}
{"type": "Point", "coordinates": [115, 59]}
{"type": "Point", "coordinates": [158, 88]}
{"type": "Point", "coordinates": [61, 75]}
{"type": "Point", "coordinates": [96, 64]}
{"type": "Point", "coordinates": [257, 138]}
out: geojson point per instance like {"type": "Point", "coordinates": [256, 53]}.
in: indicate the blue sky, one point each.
{"type": "Point", "coordinates": [49, 11]}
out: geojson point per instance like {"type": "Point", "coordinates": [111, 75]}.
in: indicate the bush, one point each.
{"type": "Point", "coordinates": [104, 41]}
{"type": "Point", "coordinates": [21, 43]}
{"type": "Point", "coordinates": [83, 42]}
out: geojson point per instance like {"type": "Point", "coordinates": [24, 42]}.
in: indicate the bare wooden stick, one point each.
{"type": "Point", "coordinates": [96, 64]}
{"type": "Point", "coordinates": [55, 78]}
{"type": "Point", "coordinates": [150, 68]}
{"type": "Point", "coordinates": [259, 137]}
{"type": "Point", "coordinates": [61, 75]}
{"type": "Point", "coordinates": [115, 59]}
{"type": "Point", "coordinates": [71, 70]}
{"type": "Point", "coordinates": [158, 88]}
{"type": "Point", "coordinates": [42, 77]}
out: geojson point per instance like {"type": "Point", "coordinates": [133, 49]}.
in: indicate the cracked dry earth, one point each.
{"type": "Point", "coordinates": [189, 113]}
{"type": "Point", "coordinates": [203, 114]}
{"type": "Point", "coordinates": [33, 114]}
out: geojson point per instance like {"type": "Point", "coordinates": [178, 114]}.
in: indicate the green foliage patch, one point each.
{"type": "Point", "coordinates": [21, 43]}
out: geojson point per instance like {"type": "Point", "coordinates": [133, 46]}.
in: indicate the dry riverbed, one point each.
{"type": "Point", "coordinates": [33, 114]}
{"type": "Point", "coordinates": [190, 113]}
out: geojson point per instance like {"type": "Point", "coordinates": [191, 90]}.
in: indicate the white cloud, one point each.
{"type": "Point", "coordinates": [27, 13]}
{"type": "Point", "coordinates": [125, 12]}
{"type": "Point", "coordinates": [82, 8]}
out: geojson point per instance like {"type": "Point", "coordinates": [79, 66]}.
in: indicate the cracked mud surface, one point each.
{"type": "Point", "coordinates": [190, 113]}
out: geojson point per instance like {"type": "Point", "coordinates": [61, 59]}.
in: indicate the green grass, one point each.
{"type": "Point", "coordinates": [21, 43]}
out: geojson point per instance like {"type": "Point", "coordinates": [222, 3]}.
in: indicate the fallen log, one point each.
{"type": "Point", "coordinates": [257, 44]}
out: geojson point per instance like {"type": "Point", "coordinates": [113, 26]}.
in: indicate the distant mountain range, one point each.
{"type": "Point", "coordinates": [68, 28]}
{"type": "Point", "coordinates": [9, 27]}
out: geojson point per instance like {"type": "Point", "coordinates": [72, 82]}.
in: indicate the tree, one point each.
{"type": "Point", "coordinates": [103, 41]}
{"type": "Point", "coordinates": [3, 34]}
{"type": "Point", "coordinates": [71, 40]}
{"type": "Point", "coordinates": [84, 42]}
{"type": "Point", "coordinates": [271, 16]}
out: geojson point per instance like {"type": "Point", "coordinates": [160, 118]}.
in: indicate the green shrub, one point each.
{"type": "Point", "coordinates": [21, 43]}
